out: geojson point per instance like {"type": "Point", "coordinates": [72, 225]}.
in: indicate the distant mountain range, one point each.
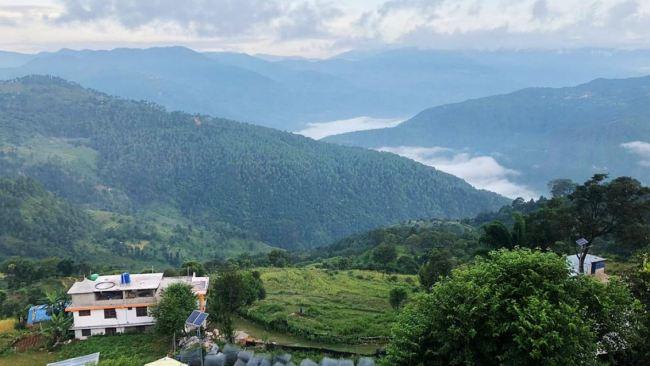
{"type": "Point", "coordinates": [289, 93]}
{"type": "Point", "coordinates": [540, 133]}
{"type": "Point", "coordinates": [128, 157]}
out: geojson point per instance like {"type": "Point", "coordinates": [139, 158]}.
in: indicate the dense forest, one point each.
{"type": "Point", "coordinates": [288, 190]}
{"type": "Point", "coordinates": [35, 223]}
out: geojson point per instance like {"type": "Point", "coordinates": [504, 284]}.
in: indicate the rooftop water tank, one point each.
{"type": "Point", "coordinates": [125, 278]}
{"type": "Point", "coordinates": [94, 277]}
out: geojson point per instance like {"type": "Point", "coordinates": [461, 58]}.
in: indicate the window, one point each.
{"type": "Point", "coordinates": [84, 313]}
{"type": "Point", "coordinates": [109, 313]}
{"type": "Point", "coordinates": [85, 332]}
{"type": "Point", "coordinates": [141, 311]}
{"type": "Point", "coordinates": [110, 331]}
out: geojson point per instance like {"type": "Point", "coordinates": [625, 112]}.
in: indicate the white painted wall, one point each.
{"type": "Point", "coordinates": [97, 323]}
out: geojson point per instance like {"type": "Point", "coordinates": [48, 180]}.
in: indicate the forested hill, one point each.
{"type": "Point", "coordinates": [543, 133]}
{"type": "Point", "coordinates": [289, 190]}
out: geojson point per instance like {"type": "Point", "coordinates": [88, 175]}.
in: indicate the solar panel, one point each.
{"type": "Point", "coordinates": [196, 318]}
{"type": "Point", "coordinates": [192, 317]}
{"type": "Point", "coordinates": [582, 242]}
{"type": "Point", "coordinates": [200, 319]}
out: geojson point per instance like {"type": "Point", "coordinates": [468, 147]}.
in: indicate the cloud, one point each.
{"type": "Point", "coordinates": [316, 28]}
{"type": "Point", "coordinates": [480, 171]}
{"type": "Point", "coordinates": [641, 149]}
{"type": "Point", "coordinates": [321, 130]}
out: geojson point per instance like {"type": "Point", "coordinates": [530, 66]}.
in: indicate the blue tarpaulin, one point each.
{"type": "Point", "coordinates": [37, 314]}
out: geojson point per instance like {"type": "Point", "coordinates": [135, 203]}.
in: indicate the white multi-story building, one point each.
{"type": "Point", "coordinates": [120, 303]}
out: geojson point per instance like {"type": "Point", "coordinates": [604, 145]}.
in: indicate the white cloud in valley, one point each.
{"type": "Point", "coordinates": [321, 130]}
{"type": "Point", "coordinates": [480, 171]}
{"type": "Point", "coordinates": [641, 149]}
{"type": "Point", "coordinates": [317, 28]}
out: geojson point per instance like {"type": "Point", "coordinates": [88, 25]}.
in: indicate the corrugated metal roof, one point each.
{"type": "Point", "coordinates": [574, 262]}
{"type": "Point", "coordinates": [92, 359]}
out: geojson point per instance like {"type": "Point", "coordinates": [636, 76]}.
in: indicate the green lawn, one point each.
{"type": "Point", "coordinates": [338, 306]}
{"type": "Point", "coordinates": [117, 350]}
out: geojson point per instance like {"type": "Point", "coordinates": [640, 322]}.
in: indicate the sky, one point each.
{"type": "Point", "coordinates": [322, 28]}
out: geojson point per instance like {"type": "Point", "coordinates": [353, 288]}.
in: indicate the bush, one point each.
{"type": "Point", "coordinates": [517, 307]}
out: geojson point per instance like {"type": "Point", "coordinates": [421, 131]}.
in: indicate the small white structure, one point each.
{"type": "Point", "coordinates": [87, 360]}
{"type": "Point", "coordinates": [594, 265]}
{"type": "Point", "coordinates": [120, 303]}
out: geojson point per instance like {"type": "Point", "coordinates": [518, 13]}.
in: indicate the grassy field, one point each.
{"type": "Point", "coordinates": [7, 325]}
{"type": "Point", "coordinates": [337, 306]}
{"type": "Point", "coordinates": [122, 350]}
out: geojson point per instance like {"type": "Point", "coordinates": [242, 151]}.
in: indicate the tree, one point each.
{"type": "Point", "coordinates": [175, 305]}
{"type": "Point", "coordinates": [518, 236]}
{"type": "Point", "coordinates": [515, 307]}
{"type": "Point", "coordinates": [601, 208]}
{"type": "Point", "coordinates": [396, 297]}
{"type": "Point", "coordinates": [561, 187]}
{"type": "Point", "coordinates": [439, 263]}
{"type": "Point", "coordinates": [65, 267]}
{"type": "Point", "coordinates": [230, 292]}
{"type": "Point", "coordinates": [190, 267]}
{"type": "Point", "coordinates": [279, 258]}
{"type": "Point", "coordinates": [384, 254]}
{"type": "Point", "coordinates": [496, 235]}
{"type": "Point", "coordinates": [56, 302]}
{"type": "Point", "coordinates": [57, 328]}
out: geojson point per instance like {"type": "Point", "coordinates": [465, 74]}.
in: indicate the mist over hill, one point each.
{"type": "Point", "coordinates": [531, 136]}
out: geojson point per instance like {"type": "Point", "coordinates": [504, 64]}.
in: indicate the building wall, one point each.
{"type": "Point", "coordinates": [97, 323]}
{"type": "Point", "coordinates": [89, 300]}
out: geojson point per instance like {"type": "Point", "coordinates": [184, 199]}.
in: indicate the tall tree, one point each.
{"type": "Point", "coordinates": [176, 304]}
{"type": "Point", "coordinates": [601, 208]}
{"type": "Point", "coordinates": [230, 292]}
{"type": "Point", "coordinates": [496, 235]}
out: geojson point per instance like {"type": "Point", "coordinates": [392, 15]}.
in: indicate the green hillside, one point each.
{"type": "Point", "coordinates": [35, 223]}
{"type": "Point", "coordinates": [125, 156]}
{"type": "Point", "coordinates": [537, 131]}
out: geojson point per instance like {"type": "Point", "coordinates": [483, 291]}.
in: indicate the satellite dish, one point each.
{"type": "Point", "coordinates": [582, 242]}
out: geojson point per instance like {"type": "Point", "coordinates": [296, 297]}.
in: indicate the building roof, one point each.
{"type": "Point", "coordinates": [574, 262]}
{"type": "Point", "coordinates": [92, 359]}
{"type": "Point", "coordinates": [142, 281]}
{"type": "Point", "coordinates": [37, 314]}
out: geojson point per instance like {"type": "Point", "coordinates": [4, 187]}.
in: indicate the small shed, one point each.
{"type": "Point", "coordinates": [594, 265]}
{"type": "Point", "coordinates": [37, 314]}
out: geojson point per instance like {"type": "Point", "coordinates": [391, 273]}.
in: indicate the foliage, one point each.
{"type": "Point", "coordinates": [173, 308]}
{"type": "Point", "coordinates": [230, 292]}
{"type": "Point", "coordinates": [401, 248]}
{"type": "Point", "coordinates": [266, 182]}
{"type": "Point", "coordinates": [279, 258]}
{"type": "Point", "coordinates": [619, 207]}
{"type": "Point", "coordinates": [35, 223]}
{"type": "Point", "coordinates": [327, 306]}
{"type": "Point", "coordinates": [514, 307]}
{"type": "Point", "coordinates": [190, 267]}
{"type": "Point", "coordinates": [439, 264]}
{"type": "Point", "coordinates": [121, 349]}
{"type": "Point", "coordinates": [57, 329]}
{"type": "Point", "coordinates": [396, 297]}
